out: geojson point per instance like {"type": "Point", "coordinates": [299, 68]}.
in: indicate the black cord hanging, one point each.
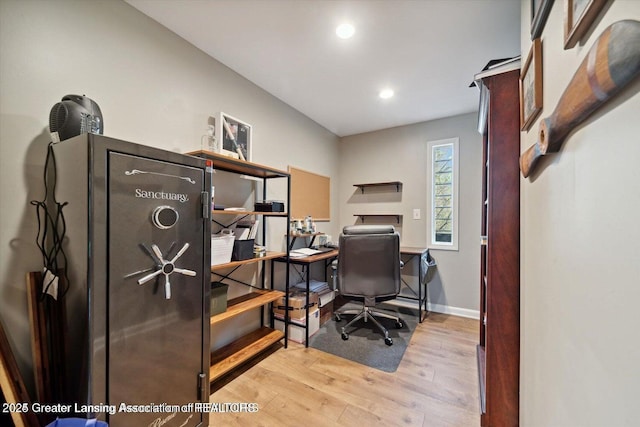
{"type": "Point", "coordinates": [51, 228]}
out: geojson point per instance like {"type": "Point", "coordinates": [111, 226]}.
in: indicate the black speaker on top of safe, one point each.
{"type": "Point", "coordinates": [75, 115]}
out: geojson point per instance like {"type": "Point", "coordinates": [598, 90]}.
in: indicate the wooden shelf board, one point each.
{"type": "Point", "coordinates": [236, 353]}
{"type": "Point", "coordinates": [243, 303]}
{"type": "Point", "coordinates": [221, 212]}
{"type": "Point", "coordinates": [268, 255]}
{"type": "Point", "coordinates": [396, 184]}
{"type": "Point", "coordinates": [229, 164]}
{"type": "Point", "coordinates": [398, 217]}
{"type": "Point", "coordinates": [378, 184]}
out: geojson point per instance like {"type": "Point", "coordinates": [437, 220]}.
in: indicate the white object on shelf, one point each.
{"type": "Point", "coordinates": [326, 298]}
{"type": "Point", "coordinates": [302, 252]}
{"type": "Point", "coordinates": [221, 248]}
{"type": "Point", "coordinates": [296, 330]}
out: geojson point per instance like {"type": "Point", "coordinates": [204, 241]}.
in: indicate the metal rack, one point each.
{"type": "Point", "coordinates": [229, 357]}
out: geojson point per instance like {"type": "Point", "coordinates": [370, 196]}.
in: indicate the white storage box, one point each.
{"type": "Point", "coordinates": [221, 248]}
{"type": "Point", "coordinates": [326, 298]}
{"type": "Point", "coordinates": [296, 332]}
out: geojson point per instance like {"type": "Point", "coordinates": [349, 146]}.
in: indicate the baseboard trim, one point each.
{"type": "Point", "coordinates": [455, 311]}
{"type": "Point", "coordinates": [439, 308]}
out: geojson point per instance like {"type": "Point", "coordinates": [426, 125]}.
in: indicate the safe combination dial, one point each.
{"type": "Point", "coordinates": [164, 217]}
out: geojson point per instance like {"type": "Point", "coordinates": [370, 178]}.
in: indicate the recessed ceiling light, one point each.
{"type": "Point", "coordinates": [345, 31]}
{"type": "Point", "coordinates": [386, 93]}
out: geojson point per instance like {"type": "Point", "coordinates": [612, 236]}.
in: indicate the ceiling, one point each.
{"type": "Point", "coordinates": [427, 51]}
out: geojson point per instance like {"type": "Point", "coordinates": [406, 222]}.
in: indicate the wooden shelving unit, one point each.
{"type": "Point", "coordinates": [226, 359]}
{"type": "Point", "coordinates": [229, 164]}
{"type": "Point", "coordinates": [237, 216]}
{"type": "Point", "coordinates": [245, 303]}
{"type": "Point", "coordinates": [269, 255]}
{"type": "Point", "coordinates": [229, 357]}
{"type": "Point", "coordinates": [247, 213]}
{"type": "Point", "coordinates": [499, 337]}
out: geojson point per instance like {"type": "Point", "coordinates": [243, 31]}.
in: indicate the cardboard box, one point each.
{"type": "Point", "coordinates": [296, 331]}
{"type": "Point", "coordinates": [326, 313]}
{"type": "Point", "coordinates": [296, 304]}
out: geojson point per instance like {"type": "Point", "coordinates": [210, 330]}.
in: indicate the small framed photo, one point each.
{"type": "Point", "coordinates": [539, 13]}
{"type": "Point", "coordinates": [578, 18]}
{"type": "Point", "coordinates": [234, 137]}
{"type": "Point", "coordinates": [531, 86]}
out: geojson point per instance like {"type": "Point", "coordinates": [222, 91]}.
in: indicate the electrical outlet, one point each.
{"type": "Point", "coordinates": [416, 214]}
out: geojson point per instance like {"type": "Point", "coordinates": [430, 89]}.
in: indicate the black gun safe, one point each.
{"type": "Point", "coordinates": [138, 250]}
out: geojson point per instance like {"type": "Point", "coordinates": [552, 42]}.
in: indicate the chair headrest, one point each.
{"type": "Point", "coordinates": [368, 229]}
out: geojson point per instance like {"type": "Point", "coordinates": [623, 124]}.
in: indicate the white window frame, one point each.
{"type": "Point", "coordinates": [431, 237]}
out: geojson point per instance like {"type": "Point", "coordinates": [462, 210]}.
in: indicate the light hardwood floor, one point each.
{"type": "Point", "coordinates": [435, 385]}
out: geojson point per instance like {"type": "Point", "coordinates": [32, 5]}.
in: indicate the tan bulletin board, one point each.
{"type": "Point", "coordinates": [310, 195]}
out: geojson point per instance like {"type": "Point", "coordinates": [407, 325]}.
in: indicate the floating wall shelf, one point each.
{"type": "Point", "coordinates": [398, 217]}
{"type": "Point", "coordinates": [396, 184]}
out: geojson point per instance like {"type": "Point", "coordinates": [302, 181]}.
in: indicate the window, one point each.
{"type": "Point", "coordinates": [443, 198]}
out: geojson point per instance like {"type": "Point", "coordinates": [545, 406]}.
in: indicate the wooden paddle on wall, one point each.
{"type": "Point", "coordinates": [611, 64]}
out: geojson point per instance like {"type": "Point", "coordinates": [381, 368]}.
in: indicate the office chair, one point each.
{"type": "Point", "coordinates": [368, 269]}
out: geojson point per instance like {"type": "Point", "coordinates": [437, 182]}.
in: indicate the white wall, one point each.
{"type": "Point", "coordinates": [400, 154]}
{"type": "Point", "coordinates": [580, 261]}
{"type": "Point", "coordinates": [152, 87]}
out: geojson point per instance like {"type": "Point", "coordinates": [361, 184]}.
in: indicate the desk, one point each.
{"type": "Point", "coordinates": [413, 252]}
{"type": "Point", "coordinates": [327, 257]}
{"type": "Point", "coordinates": [408, 251]}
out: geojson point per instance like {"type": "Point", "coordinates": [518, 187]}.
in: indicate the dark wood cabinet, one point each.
{"type": "Point", "coordinates": [499, 345]}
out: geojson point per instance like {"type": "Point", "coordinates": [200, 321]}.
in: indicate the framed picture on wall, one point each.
{"type": "Point", "coordinates": [539, 13]}
{"type": "Point", "coordinates": [234, 137]}
{"type": "Point", "coordinates": [531, 86]}
{"type": "Point", "coordinates": [578, 18]}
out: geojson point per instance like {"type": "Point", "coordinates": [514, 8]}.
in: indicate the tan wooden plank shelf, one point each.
{"type": "Point", "coordinates": [229, 164]}
{"type": "Point", "coordinates": [236, 353]}
{"type": "Point", "coordinates": [247, 213]}
{"type": "Point", "coordinates": [245, 303]}
{"type": "Point", "coordinates": [268, 255]}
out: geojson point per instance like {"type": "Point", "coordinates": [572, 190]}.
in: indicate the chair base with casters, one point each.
{"type": "Point", "coordinates": [368, 313]}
